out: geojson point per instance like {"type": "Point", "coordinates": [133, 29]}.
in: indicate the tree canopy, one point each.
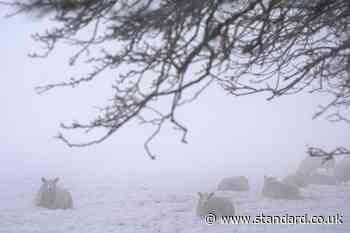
{"type": "Point", "coordinates": [173, 50]}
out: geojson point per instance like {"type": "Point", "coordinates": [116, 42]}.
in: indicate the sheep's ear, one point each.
{"type": "Point", "coordinates": [265, 177]}
{"type": "Point", "coordinates": [56, 180]}
{"type": "Point", "coordinates": [200, 194]}
{"type": "Point", "coordinates": [43, 180]}
{"type": "Point", "coordinates": [211, 195]}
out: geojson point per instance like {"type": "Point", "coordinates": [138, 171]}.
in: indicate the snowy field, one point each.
{"type": "Point", "coordinates": [115, 187]}
{"type": "Point", "coordinates": [130, 202]}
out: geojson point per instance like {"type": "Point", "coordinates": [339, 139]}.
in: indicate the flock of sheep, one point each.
{"type": "Point", "coordinates": [312, 170]}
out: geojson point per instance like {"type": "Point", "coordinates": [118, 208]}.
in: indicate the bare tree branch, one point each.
{"type": "Point", "coordinates": [317, 152]}
{"type": "Point", "coordinates": [174, 50]}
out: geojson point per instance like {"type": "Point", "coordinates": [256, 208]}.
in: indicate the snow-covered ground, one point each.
{"type": "Point", "coordinates": [110, 191]}
{"type": "Point", "coordinates": [149, 203]}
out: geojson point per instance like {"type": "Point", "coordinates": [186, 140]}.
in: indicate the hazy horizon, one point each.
{"type": "Point", "coordinates": [227, 134]}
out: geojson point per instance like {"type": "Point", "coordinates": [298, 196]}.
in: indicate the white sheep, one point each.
{"type": "Point", "coordinates": [296, 179]}
{"type": "Point", "coordinates": [219, 206]}
{"type": "Point", "coordinates": [278, 190]}
{"type": "Point", "coordinates": [320, 179]}
{"type": "Point", "coordinates": [342, 170]}
{"type": "Point", "coordinates": [53, 197]}
{"type": "Point", "coordinates": [311, 164]}
{"type": "Point", "coordinates": [234, 183]}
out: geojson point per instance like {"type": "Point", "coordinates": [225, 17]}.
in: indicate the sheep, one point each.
{"type": "Point", "coordinates": [320, 179]}
{"type": "Point", "coordinates": [296, 179]}
{"type": "Point", "coordinates": [51, 196]}
{"type": "Point", "coordinates": [311, 164]}
{"type": "Point", "coordinates": [275, 189]}
{"type": "Point", "coordinates": [219, 206]}
{"type": "Point", "coordinates": [342, 170]}
{"type": "Point", "coordinates": [234, 183]}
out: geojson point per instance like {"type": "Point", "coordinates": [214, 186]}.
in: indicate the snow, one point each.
{"type": "Point", "coordinates": [146, 203]}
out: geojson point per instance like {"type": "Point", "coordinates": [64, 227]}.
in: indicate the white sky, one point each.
{"type": "Point", "coordinates": [227, 135]}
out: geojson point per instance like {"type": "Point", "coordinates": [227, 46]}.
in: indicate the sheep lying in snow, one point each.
{"type": "Point", "coordinates": [342, 170]}
{"type": "Point", "coordinates": [235, 183]}
{"type": "Point", "coordinates": [295, 179]}
{"type": "Point", "coordinates": [53, 197]}
{"type": "Point", "coordinates": [311, 164]}
{"type": "Point", "coordinates": [220, 206]}
{"type": "Point", "coordinates": [320, 179]}
{"type": "Point", "coordinates": [278, 190]}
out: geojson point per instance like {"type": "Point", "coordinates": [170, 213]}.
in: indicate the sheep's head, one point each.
{"type": "Point", "coordinates": [204, 198]}
{"type": "Point", "coordinates": [49, 185]}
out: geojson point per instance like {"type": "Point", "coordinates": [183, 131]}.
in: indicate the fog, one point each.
{"type": "Point", "coordinates": [227, 135]}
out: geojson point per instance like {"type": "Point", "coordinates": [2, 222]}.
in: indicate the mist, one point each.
{"type": "Point", "coordinates": [228, 135]}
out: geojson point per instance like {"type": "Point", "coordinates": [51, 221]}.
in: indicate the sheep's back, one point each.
{"type": "Point", "coordinates": [239, 183]}
{"type": "Point", "coordinates": [298, 180]}
{"type": "Point", "coordinates": [280, 190]}
{"type": "Point", "coordinates": [218, 205]}
{"type": "Point", "coordinates": [321, 179]}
